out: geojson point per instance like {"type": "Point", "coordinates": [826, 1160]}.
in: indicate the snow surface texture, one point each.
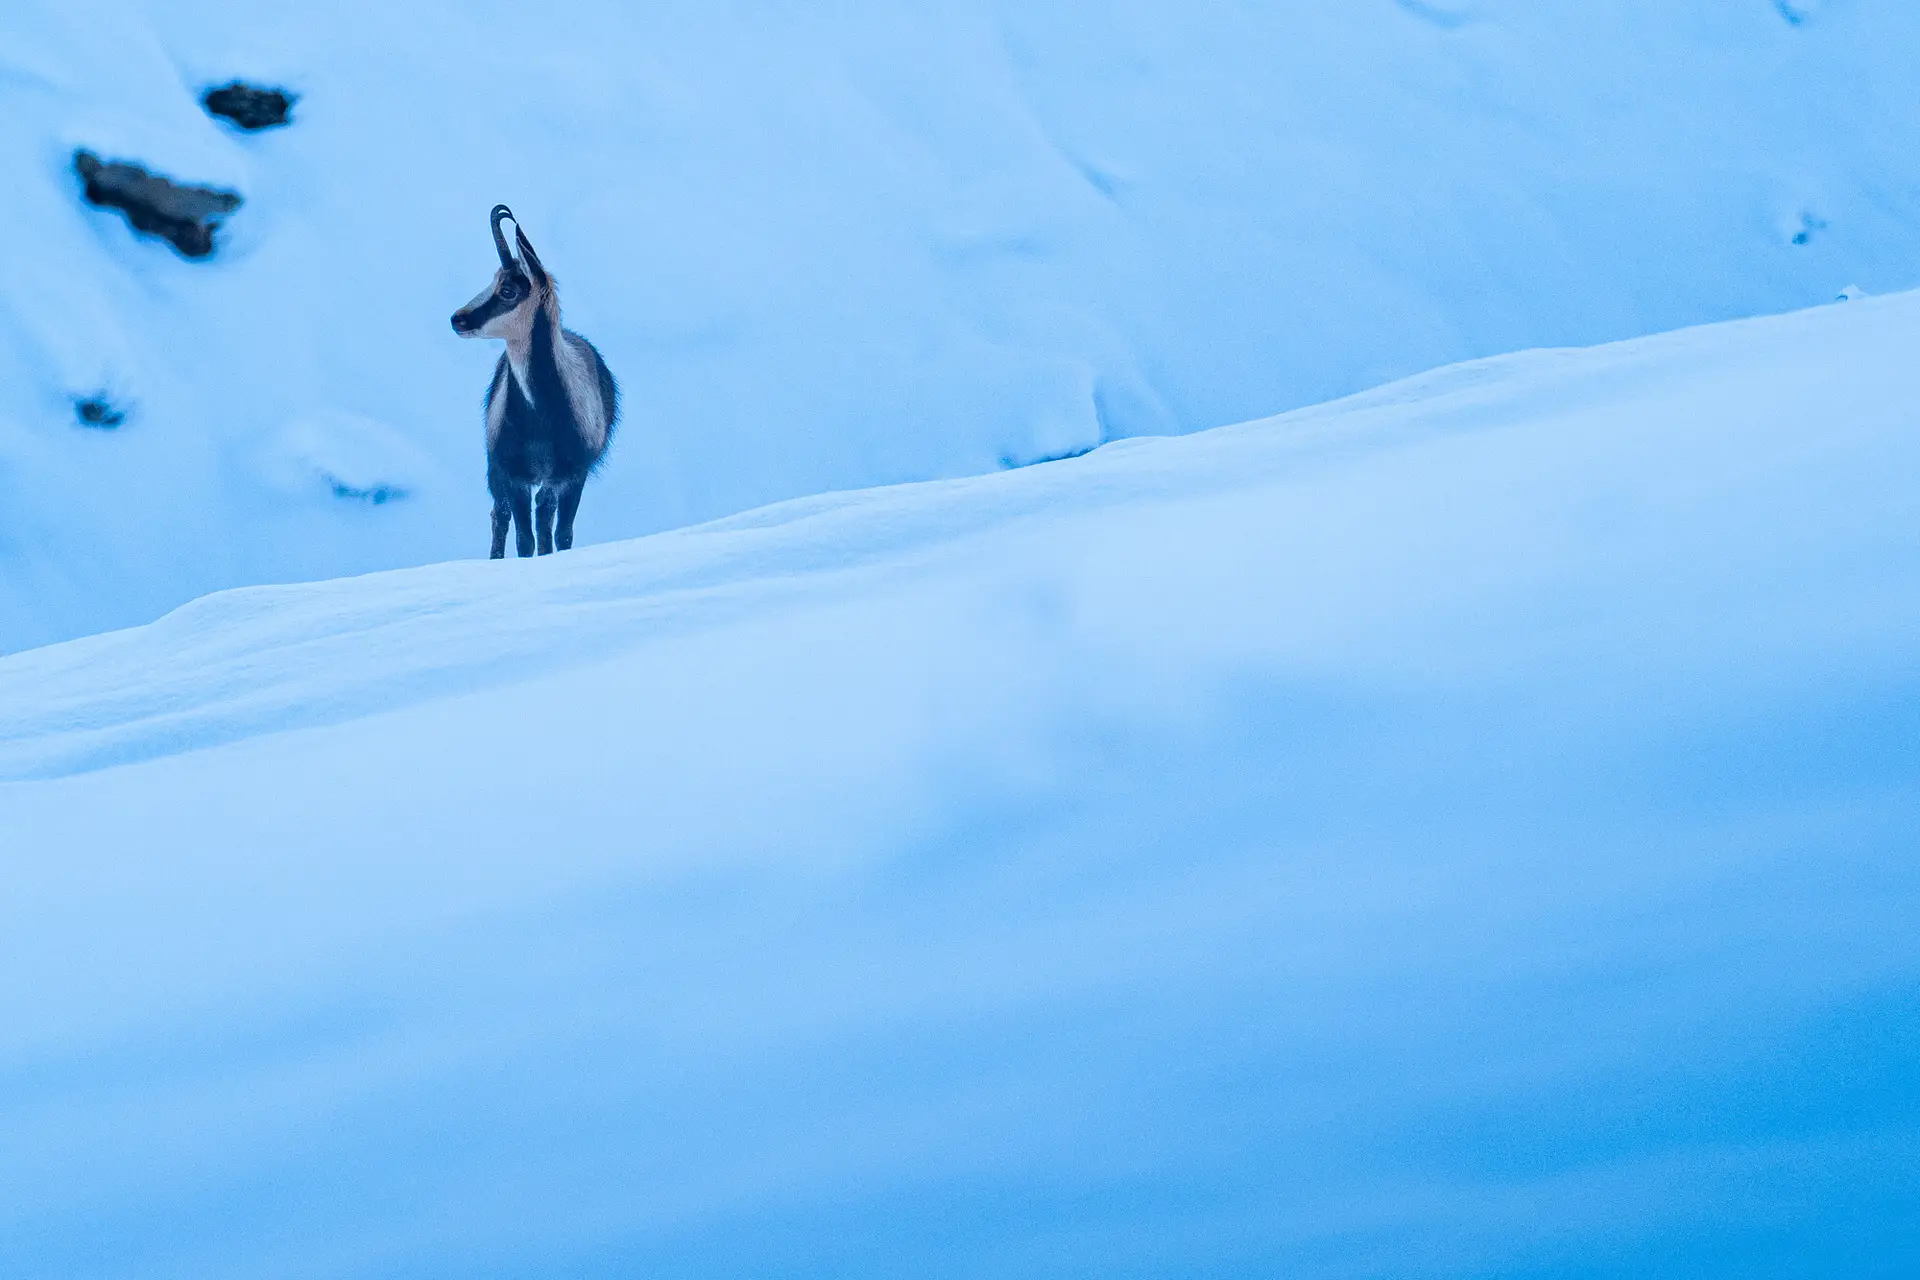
{"type": "Point", "coordinates": [1466, 830]}
{"type": "Point", "coordinates": [828, 246]}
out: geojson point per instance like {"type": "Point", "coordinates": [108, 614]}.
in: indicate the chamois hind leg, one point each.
{"type": "Point", "coordinates": [543, 519]}
{"type": "Point", "coordinates": [570, 491]}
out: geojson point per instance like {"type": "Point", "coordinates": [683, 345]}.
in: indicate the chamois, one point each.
{"type": "Point", "coordinates": [550, 407]}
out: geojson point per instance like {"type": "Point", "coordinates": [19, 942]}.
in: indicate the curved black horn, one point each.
{"type": "Point", "coordinates": [500, 214]}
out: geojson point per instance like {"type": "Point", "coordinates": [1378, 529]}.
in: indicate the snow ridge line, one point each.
{"type": "Point", "coordinates": [241, 663]}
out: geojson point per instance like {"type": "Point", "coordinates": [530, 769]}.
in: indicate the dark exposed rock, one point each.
{"type": "Point", "coordinates": [186, 216]}
{"type": "Point", "coordinates": [250, 106]}
{"type": "Point", "coordinates": [377, 495]}
{"type": "Point", "coordinates": [97, 411]}
{"type": "Point", "coordinates": [1811, 225]}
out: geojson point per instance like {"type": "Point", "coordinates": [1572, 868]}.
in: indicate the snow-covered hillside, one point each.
{"type": "Point", "coordinates": [1465, 830]}
{"type": "Point", "coordinates": [837, 245]}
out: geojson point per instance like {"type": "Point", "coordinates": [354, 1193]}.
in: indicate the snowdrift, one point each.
{"type": "Point", "coordinates": [1466, 829]}
{"type": "Point", "coordinates": [828, 247]}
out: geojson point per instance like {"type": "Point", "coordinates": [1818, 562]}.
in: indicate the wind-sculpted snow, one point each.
{"type": "Point", "coordinates": [430, 631]}
{"type": "Point", "coordinates": [878, 241]}
{"type": "Point", "coordinates": [1464, 830]}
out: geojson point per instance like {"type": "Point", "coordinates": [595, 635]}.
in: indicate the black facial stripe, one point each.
{"type": "Point", "coordinates": [473, 318]}
{"type": "Point", "coordinates": [494, 306]}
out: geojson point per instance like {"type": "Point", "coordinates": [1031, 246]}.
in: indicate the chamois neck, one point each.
{"type": "Point", "coordinates": [533, 342]}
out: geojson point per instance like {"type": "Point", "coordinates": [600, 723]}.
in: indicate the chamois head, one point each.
{"type": "Point", "coordinates": [505, 307]}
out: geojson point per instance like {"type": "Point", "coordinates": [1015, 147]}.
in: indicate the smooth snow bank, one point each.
{"type": "Point", "coordinates": [831, 246]}
{"type": "Point", "coordinates": [1463, 830]}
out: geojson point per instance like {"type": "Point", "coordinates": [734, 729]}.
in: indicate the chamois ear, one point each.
{"type": "Point", "coordinates": [529, 257]}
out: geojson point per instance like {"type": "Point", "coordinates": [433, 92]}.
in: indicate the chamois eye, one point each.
{"type": "Point", "coordinates": [511, 291]}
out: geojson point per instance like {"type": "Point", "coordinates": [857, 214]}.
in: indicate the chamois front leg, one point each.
{"type": "Point", "coordinates": [502, 490]}
{"type": "Point", "coordinates": [523, 521]}
{"type": "Point", "coordinates": [502, 517]}
{"type": "Point", "coordinates": [543, 519]}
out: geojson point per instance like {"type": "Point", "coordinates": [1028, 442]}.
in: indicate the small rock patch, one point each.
{"type": "Point", "coordinates": [98, 412]}
{"type": "Point", "coordinates": [251, 107]}
{"type": "Point", "coordinates": [185, 216]}
{"type": "Point", "coordinates": [1811, 225]}
{"type": "Point", "coordinates": [375, 495]}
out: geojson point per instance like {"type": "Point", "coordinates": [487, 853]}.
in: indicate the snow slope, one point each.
{"type": "Point", "coordinates": [830, 246]}
{"type": "Point", "coordinates": [1463, 830]}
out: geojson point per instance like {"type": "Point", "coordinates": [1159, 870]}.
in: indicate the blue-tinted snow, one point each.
{"type": "Point", "coordinates": [829, 246]}
{"type": "Point", "coordinates": [1466, 830]}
